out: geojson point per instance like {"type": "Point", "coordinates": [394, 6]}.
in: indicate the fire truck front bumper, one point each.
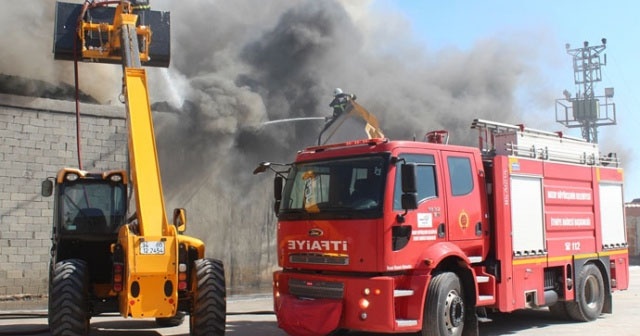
{"type": "Point", "coordinates": [308, 317]}
{"type": "Point", "coordinates": [312, 304]}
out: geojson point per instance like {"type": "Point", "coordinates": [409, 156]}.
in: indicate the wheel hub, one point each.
{"type": "Point", "coordinates": [591, 292]}
{"type": "Point", "coordinates": [454, 310]}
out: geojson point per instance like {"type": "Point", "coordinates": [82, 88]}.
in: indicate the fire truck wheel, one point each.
{"type": "Point", "coordinates": [69, 298]}
{"type": "Point", "coordinates": [168, 322]}
{"type": "Point", "coordinates": [444, 310]}
{"type": "Point", "coordinates": [209, 308]}
{"type": "Point", "coordinates": [589, 295]}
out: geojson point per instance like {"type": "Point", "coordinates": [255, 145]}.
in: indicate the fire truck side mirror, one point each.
{"type": "Point", "coordinates": [409, 201]}
{"type": "Point", "coordinates": [180, 219]}
{"type": "Point", "coordinates": [47, 188]}
{"type": "Point", "coordinates": [409, 186]}
{"type": "Point", "coordinates": [408, 178]}
{"type": "Point", "coordinates": [278, 182]}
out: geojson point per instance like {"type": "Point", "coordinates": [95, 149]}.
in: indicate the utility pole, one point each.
{"type": "Point", "coordinates": [587, 110]}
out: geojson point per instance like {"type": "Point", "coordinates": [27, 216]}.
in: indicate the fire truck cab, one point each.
{"type": "Point", "coordinates": [407, 236]}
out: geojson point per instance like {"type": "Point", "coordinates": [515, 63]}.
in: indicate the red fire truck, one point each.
{"type": "Point", "coordinates": [407, 236]}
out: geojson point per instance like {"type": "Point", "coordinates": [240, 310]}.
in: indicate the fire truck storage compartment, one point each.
{"type": "Point", "coordinates": [527, 216]}
{"type": "Point", "coordinates": [612, 216]}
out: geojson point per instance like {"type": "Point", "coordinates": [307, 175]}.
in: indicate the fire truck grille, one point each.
{"type": "Point", "coordinates": [312, 258]}
{"type": "Point", "coordinates": [316, 289]}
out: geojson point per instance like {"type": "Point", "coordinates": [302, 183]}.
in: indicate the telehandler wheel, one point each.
{"type": "Point", "coordinates": [209, 308]}
{"type": "Point", "coordinates": [69, 298]}
{"type": "Point", "coordinates": [168, 322]}
{"type": "Point", "coordinates": [444, 311]}
{"type": "Point", "coordinates": [589, 295]}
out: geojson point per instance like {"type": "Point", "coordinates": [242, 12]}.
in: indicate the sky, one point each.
{"type": "Point", "coordinates": [541, 29]}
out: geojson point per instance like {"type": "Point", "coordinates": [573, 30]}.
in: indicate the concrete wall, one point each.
{"type": "Point", "coordinates": [38, 138]}
{"type": "Point", "coordinates": [632, 212]}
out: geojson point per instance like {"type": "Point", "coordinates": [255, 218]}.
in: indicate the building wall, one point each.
{"type": "Point", "coordinates": [38, 138]}
{"type": "Point", "coordinates": [632, 212]}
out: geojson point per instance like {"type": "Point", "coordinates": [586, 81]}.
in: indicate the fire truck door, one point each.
{"type": "Point", "coordinates": [463, 199]}
{"type": "Point", "coordinates": [431, 213]}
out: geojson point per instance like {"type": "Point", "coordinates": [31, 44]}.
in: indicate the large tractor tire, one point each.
{"type": "Point", "coordinates": [589, 295]}
{"type": "Point", "coordinates": [444, 311]}
{"type": "Point", "coordinates": [168, 322]}
{"type": "Point", "coordinates": [69, 299]}
{"type": "Point", "coordinates": [209, 308]}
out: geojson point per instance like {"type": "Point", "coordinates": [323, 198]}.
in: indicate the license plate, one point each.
{"type": "Point", "coordinates": [152, 247]}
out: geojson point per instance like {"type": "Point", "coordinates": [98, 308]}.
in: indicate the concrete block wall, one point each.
{"type": "Point", "coordinates": [38, 138]}
{"type": "Point", "coordinates": [632, 212]}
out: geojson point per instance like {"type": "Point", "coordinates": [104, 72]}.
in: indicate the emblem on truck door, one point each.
{"type": "Point", "coordinates": [463, 220]}
{"type": "Point", "coordinates": [315, 232]}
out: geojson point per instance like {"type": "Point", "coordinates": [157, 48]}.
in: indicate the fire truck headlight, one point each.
{"type": "Point", "coordinates": [366, 291]}
{"type": "Point", "coordinates": [363, 316]}
{"type": "Point", "coordinates": [363, 303]}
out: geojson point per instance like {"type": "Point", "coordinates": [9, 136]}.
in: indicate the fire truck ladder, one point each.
{"type": "Point", "coordinates": [517, 140]}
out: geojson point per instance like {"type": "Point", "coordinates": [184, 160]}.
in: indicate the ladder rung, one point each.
{"type": "Point", "coordinates": [482, 278]}
{"type": "Point", "coordinates": [475, 259]}
{"type": "Point", "coordinates": [484, 319]}
{"type": "Point", "coordinates": [485, 298]}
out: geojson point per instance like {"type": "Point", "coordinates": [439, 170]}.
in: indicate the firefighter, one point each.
{"type": "Point", "coordinates": [339, 102]}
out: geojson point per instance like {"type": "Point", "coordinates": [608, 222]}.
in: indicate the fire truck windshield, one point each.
{"type": "Point", "coordinates": [338, 188]}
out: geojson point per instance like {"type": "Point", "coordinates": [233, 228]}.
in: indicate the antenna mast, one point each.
{"type": "Point", "coordinates": [586, 110]}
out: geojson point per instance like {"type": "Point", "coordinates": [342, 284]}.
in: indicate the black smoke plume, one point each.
{"type": "Point", "coordinates": [238, 64]}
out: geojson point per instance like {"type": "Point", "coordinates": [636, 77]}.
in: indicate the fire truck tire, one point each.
{"type": "Point", "coordinates": [209, 309]}
{"type": "Point", "coordinates": [69, 299]}
{"type": "Point", "coordinates": [444, 308]}
{"type": "Point", "coordinates": [168, 322]}
{"type": "Point", "coordinates": [589, 295]}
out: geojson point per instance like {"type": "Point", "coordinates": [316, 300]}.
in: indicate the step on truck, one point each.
{"type": "Point", "coordinates": [423, 236]}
